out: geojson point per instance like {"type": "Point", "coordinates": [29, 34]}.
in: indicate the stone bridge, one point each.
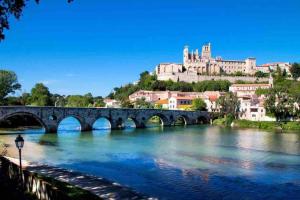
{"type": "Point", "coordinates": [50, 117]}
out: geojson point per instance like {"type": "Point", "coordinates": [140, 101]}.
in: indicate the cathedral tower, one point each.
{"type": "Point", "coordinates": [185, 54]}
{"type": "Point", "coordinates": [206, 51]}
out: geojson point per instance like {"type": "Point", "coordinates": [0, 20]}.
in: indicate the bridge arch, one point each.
{"type": "Point", "coordinates": [181, 120]}
{"type": "Point", "coordinates": [129, 122]}
{"type": "Point", "coordinates": [163, 119]}
{"type": "Point", "coordinates": [202, 120]}
{"type": "Point", "coordinates": [77, 118]}
{"type": "Point", "coordinates": [28, 114]}
{"type": "Point", "coordinates": [101, 122]}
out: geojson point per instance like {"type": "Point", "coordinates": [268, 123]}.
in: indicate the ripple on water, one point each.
{"type": "Point", "coordinates": [179, 163]}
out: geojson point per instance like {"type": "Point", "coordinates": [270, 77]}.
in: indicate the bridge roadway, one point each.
{"type": "Point", "coordinates": [50, 117]}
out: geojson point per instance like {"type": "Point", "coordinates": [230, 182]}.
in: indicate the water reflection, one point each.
{"type": "Point", "coordinates": [193, 162]}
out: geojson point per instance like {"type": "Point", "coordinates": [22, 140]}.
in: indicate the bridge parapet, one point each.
{"type": "Point", "coordinates": [50, 117]}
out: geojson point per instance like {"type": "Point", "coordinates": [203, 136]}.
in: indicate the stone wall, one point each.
{"type": "Point", "coordinates": [32, 182]}
{"type": "Point", "coordinates": [193, 77]}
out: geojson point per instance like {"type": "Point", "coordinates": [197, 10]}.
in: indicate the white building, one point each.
{"type": "Point", "coordinates": [252, 108]}
{"type": "Point", "coordinates": [180, 103]}
{"type": "Point", "coordinates": [248, 89]}
{"type": "Point", "coordinates": [284, 66]}
{"type": "Point", "coordinates": [112, 103]}
{"type": "Point", "coordinates": [154, 96]}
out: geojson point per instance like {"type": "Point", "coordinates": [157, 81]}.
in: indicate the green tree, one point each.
{"type": "Point", "coordinates": [8, 84]}
{"type": "Point", "coordinates": [98, 102]}
{"type": "Point", "coordinates": [229, 104]}
{"type": "Point", "coordinates": [261, 91]}
{"type": "Point", "coordinates": [146, 80]}
{"type": "Point", "coordinates": [239, 73]}
{"type": "Point", "coordinates": [58, 100]}
{"type": "Point", "coordinates": [260, 74]}
{"type": "Point", "coordinates": [142, 103]}
{"type": "Point", "coordinates": [40, 95]}
{"type": "Point", "coordinates": [125, 103]}
{"type": "Point", "coordinates": [198, 104]}
{"type": "Point", "coordinates": [89, 98]}
{"type": "Point", "coordinates": [295, 70]}
{"type": "Point", "coordinates": [281, 105]}
{"type": "Point", "coordinates": [25, 98]}
{"type": "Point", "coordinates": [77, 101]}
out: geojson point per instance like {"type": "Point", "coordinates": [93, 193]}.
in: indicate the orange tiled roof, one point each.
{"type": "Point", "coordinates": [213, 97]}
{"type": "Point", "coordinates": [162, 101]}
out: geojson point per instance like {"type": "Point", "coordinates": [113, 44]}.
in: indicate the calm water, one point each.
{"type": "Point", "coordinates": [197, 162]}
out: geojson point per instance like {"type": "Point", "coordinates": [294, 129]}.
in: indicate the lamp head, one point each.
{"type": "Point", "coordinates": [19, 142]}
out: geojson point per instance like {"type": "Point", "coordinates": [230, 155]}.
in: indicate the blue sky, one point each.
{"type": "Point", "coordinates": [96, 45]}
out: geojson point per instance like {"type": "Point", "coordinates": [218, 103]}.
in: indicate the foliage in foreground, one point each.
{"type": "Point", "coordinates": [281, 100]}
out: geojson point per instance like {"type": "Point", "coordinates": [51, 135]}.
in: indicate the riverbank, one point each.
{"type": "Point", "coordinates": [77, 185]}
{"type": "Point", "coordinates": [8, 189]}
{"type": "Point", "coordinates": [264, 125]}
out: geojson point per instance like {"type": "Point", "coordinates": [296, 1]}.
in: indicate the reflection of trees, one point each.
{"type": "Point", "coordinates": [49, 140]}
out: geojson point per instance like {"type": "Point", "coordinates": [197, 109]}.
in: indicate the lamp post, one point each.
{"type": "Point", "coordinates": [19, 144]}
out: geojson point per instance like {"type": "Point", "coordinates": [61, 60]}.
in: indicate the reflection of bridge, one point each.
{"type": "Point", "coordinates": [50, 117]}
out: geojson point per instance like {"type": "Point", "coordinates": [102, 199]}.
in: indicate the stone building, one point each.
{"type": "Point", "coordinates": [284, 66]}
{"type": "Point", "coordinates": [248, 89]}
{"type": "Point", "coordinates": [197, 65]}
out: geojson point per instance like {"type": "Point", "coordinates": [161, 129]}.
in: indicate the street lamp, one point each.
{"type": "Point", "coordinates": [19, 144]}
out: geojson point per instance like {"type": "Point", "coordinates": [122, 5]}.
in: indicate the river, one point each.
{"type": "Point", "coordinates": [194, 162]}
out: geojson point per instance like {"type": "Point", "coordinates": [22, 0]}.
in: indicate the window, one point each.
{"type": "Point", "coordinates": [254, 110]}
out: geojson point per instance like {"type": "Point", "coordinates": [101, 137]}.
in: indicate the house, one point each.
{"type": "Point", "coordinates": [180, 103]}
{"type": "Point", "coordinates": [163, 104]}
{"type": "Point", "coordinates": [252, 108]}
{"type": "Point", "coordinates": [112, 103]}
{"type": "Point", "coordinates": [154, 96]}
{"type": "Point", "coordinates": [210, 99]}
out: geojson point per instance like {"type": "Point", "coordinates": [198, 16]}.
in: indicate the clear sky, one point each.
{"type": "Point", "coordinates": [96, 45]}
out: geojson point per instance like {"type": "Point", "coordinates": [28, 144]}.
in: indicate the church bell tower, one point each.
{"type": "Point", "coordinates": [206, 51]}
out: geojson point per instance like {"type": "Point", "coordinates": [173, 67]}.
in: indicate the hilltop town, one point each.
{"type": "Point", "coordinates": [198, 67]}
{"type": "Point", "coordinates": [206, 83]}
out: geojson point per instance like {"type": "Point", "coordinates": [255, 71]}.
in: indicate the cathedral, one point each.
{"type": "Point", "coordinates": [204, 64]}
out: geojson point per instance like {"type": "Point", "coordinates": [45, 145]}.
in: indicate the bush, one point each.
{"type": "Point", "coordinates": [219, 122]}
{"type": "Point", "coordinates": [291, 126]}
{"type": "Point", "coordinates": [288, 126]}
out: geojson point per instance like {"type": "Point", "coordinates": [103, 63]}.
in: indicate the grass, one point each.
{"type": "Point", "coordinates": [265, 125]}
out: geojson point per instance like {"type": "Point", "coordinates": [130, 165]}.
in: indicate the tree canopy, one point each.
{"type": "Point", "coordinates": [148, 81]}
{"type": "Point", "coordinates": [40, 95]}
{"type": "Point", "coordinates": [8, 84]}
{"type": "Point", "coordinates": [229, 104]}
{"type": "Point", "coordinates": [295, 70]}
{"type": "Point", "coordinates": [281, 100]}
{"type": "Point", "coordinates": [199, 104]}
